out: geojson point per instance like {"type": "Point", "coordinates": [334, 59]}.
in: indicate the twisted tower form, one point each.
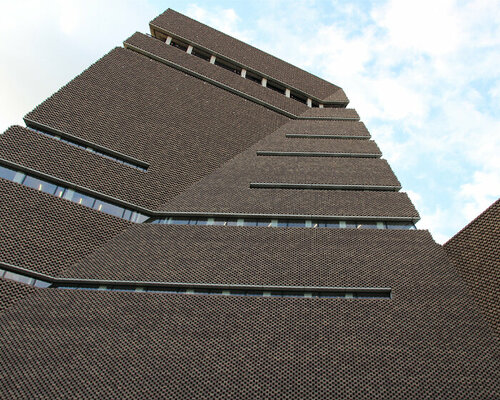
{"type": "Point", "coordinates": [191, 217]}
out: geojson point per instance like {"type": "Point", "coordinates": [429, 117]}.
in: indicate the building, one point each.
{"type": "Point", "coordinates": [193, 218]}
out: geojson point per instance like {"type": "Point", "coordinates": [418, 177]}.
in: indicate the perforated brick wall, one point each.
{"type": "Point", "coordinates": [282, 143]}
{"type": "Point", "coordinates": [185, 128]}
{"type": "Point", "coordinates": [265, 256]}
{"type": "Point", "coordinates": [157, 48]}
{"type": "Point", "coordinates": [475, 253]}
{"type": "Point", "coordinates": [11, 292]}
{"type": "Point", "coordinates": [426, 344]}
{"type": "Point", "coordinates": [46, 234]}
{"type": "Point", "coordinates": [250, 56]}
{"type": "Point", "coordinates": [322, 127]}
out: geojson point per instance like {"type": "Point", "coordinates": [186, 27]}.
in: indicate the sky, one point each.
{"type": "Point", "coordinates": [423, 75]}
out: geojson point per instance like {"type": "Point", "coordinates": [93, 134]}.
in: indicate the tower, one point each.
{"type": "Point", "coordinates": [191, 217]}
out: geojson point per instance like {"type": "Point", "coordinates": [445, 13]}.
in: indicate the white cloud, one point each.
{"type": "Point", "coordinates": [225, 20]}
{"type": "Point", "coordinates": [480, 193]}
{"type": "Point", "coordinates": [426, 26]}
{"type": "Point", "coordinates": [44, 44]}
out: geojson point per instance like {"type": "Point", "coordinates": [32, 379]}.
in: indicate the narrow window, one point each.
{"type": "Point", "coordinates": [40, 185]}
{"type": "Point", "coordinates": [108, 208]}
{"type": "Point", "coordinates": [179, 45]}
{"type": "Point", "coordinates": [367, 225]}
{"type": "Point", "coordinates": [228, 66]}
{"type": "Point", "coordinates": [298, 97]}
{"type": "Point", "coordinates": [276, 87]}
{"type": "Point", "coordinates": [7, 173]}
{"type": "Point", "coordinates": [200, 54]}
{"type": "Point", "coordinates": [253, 78]}
{"type": "Point", "coordinates": [400, 225]}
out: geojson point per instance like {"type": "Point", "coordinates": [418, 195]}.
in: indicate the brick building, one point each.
{"type": "Point", "coordinates": [191, 217]}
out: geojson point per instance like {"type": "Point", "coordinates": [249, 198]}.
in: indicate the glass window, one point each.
{"type": "Point", "coordinates": [179, 45]}
{"type": "Point", "coordinates": [220, 221]}
{"type": "Point", "coordinates": [296, 223]}
{"type": "Point", "coordinates": [7, 173]}
{"type": "Point", "coordinates": [264, 222]}
{"type": "Point", "coordinates": [179, 221]}
{"type": "Point", "coordinates": [200, 54]}
{"type": "Point", "coordinates": [253, 78]}
{"type": "Point", "coordinates": [255, 293]}
{"type": "Point", "coordinates": [128, 213]}
{"type": "Point", "coordinates": [228, 66]}
{"type": "Point", "coordinates": [41, 284]}
{"type": "Point", "coordinates": [298, 97]}
{"type": "Point", "coordinates": [367, 225]}
{"type": "Point", "coordinates": [276, 87]}
{"type": "Point", "coordinates": [122, 288]}
{"type": "Point", "coordinates": [139, 218]}
{"type": "Point", "coordinates": [330, 294]}
{"type": "Point", "coordinates": [326, 224]}
{"type": "Point", "coordinates": [59, 191]}
{"type": "Point", "coordinates": [108, 208]}
{"type": "Point", "coordinates": [400, 225]}
{"type": "Point", "coordinates": [79, 198]}
{"type": "Point", "coordinates": [18, 278]}
{"type": "Point", "coordinates": [350, 224]}
{"type": "Point", "coordinates": [40, 184]}
{"type": "Point", "coordinates": [250, 222]}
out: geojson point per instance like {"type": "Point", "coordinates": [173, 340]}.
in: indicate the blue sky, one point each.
{"type": "Point", "coordinates": [424, 76]}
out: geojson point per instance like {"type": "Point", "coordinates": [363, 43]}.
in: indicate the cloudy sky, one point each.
{"type": "Point", "coordinates": [424, 75]}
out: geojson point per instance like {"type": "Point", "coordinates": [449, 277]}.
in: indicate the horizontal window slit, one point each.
{"type": "Point", "coordinates": [253, 78]}
{"type": "Point", "coordinates": [227, 290]}
{"type": "Point", "coordinates": [297, 97]}
{"type": "Point", "coordinates": [179, 45]}
{"type": "Point", "coordinates": [90, 149]}
{"type": "Point", "coordinates": [201, 54]}
{"type": "Point", "coordinates": [74, 196]}
{"type": "Point", "coordinates": [71, 195]}
{"type": "Point", "coordinates": [228, 66]}
{"type": "Point", "coordinates": [276, 88]}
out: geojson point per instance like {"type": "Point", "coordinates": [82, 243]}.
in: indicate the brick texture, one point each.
{"type": "Point", "coordinates": [154, 113]}
{"type": "Point", "coordinates": [425, 343]}
{"type": "Point", "coordinates": [250, 56]}
{"type": "Point", "coordinates": [428, 341]}
{"type": "Point", "coordinates": [282, 143]}
{"type": "Point", "coordinates": [330, 113]}
{"type": "Point", "coordinates": [325, 170]}
{"type": "Point", "coordinates": [214, 72]}
{"type": "Point", "coordinates": [46, 234]}
{"type": "Point", "coordinates": [264, 256]}
{"type": "Point", "coordinates": [227, 190]}
{"type": "Point", "coordinates": [475, 253]}
{"type": "Point", "coordinates": [324, 127]}
{"type": "Point", "coordinates": [12, 292]}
